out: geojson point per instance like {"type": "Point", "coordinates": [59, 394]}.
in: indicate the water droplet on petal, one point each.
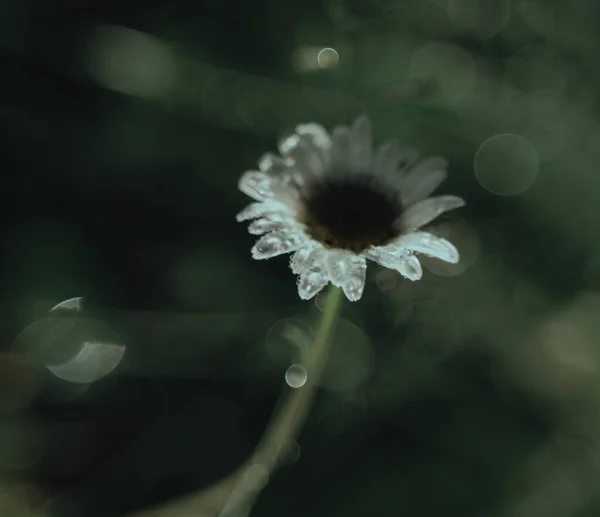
{"type": "Point", "coordinates": [254, 210]}
{"type": "Point", "coordinates": [338, 268]}
{"type": "Point", "coordinates": [289, 143]}
{"type": "Point", "coordinates": [310, 283]}
{"type": "Point", "coordinates": [256, 185]}
{"type": "Point", "coordinates": [411, 268]}
{"type": "Point", "coordinates": [465, 238]}
{"type": "Point", "coordinates": [299, 263]}
{"type": "Point", "coordinates": [269, 224]}
{"type": "Point", "coordinates": [275, 243]}
{"type": "Point", "coordinates": [354, 282]}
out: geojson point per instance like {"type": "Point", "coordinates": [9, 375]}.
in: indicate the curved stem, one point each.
{"type": "Point", "coordinates": [240, 488]}
{"type": "Point", "coordinates": [287, 423]}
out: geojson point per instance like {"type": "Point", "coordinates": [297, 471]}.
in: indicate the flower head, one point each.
{"type": "Point", "coordinates": [333, 201]}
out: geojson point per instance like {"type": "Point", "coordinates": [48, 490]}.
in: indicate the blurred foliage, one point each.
{"type": "Point", "coordinates": [125, 127]}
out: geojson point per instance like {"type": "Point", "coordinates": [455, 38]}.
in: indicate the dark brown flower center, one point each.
{"type": "Point", "coordinates": [351, 213]}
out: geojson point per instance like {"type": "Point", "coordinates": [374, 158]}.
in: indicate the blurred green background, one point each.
{"type": "Point", "coordinates": [124, 129]}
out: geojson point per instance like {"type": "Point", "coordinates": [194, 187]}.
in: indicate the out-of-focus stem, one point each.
{"type": "Point", "coordinates": [225, 497]}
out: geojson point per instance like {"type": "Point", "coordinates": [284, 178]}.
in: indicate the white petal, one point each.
{"type": "Point", "coordinates": [274, 165]}
{"type": "Point", "coordinates": [426, 243]}
{"type": "Point", "coordinates": [339, 264]}
{"type": "Point", "coordinates": [413, 192]}
{"type": "Point", "coordinates": [310, 283]}
{"type": "Point", "coordinates": [270, 223]}
{"type": "Point", "coordinates": [419, 174]}
{"type": "Point", "coordinates": [387, 158]}
{"type": "Point", "coordinates": [407, 158]}
{"type": "Point", "coordinates": [427, 210]}
{"type": "Point", "coordinates": [299, 262]}
{"type": "Point", "coordinates": [361, 148]}
{"type": "Point", "coordinates": [340, 152]}
{"type": "Point", "coordinates": [411, 268]}
{"type": "Point", "coordinates": [276, 243]}
{"type": "Point", "coordinates": [255, 184]}
{"type": "Point", "coordinates": [263, 208]}
{"type": "Point", "coordinates": [347, 271]}
{"type": "Point", "coordinates": [304, 153]}
{"type": "Point", "coordinates": [289, 143]}
{"type": "Point", "coordinates": [308, 258]}
{"type": "Point", "coordinates": [354, 283]}
{"type": "Point", "coordinates": [319, 135]}
{"type": "Point", "coordinates": [391, 160]}
{"type": "Point", "coordinates": [388, 256]}
{"type": "Point", "coordinates": [309, 159]}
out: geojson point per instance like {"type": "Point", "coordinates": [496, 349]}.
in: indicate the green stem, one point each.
{"type": "Point", "coordinates": [227, 495]}
{"type": "Point", "coordinates": [286, 423]}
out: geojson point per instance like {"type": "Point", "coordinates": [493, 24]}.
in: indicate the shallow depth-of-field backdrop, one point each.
{"type": "Point", "coordinates": [124, 127]}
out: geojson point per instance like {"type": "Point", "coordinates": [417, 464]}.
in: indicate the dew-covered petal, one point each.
{"type": "Point", "coordinates": [347, 271]}
{"type": "Point", "coordinates": [426, 243]}
{"type": "Point", "coordinates": [308, 258]}
{"type": "Point", "coordinates": [338, 265]}
{"type": "Point", "coordinates": [255, 184]}
{"type": "Point", "coordinates": [354, 282]}
{"type": "Point", "coordinates": [427, 210]}
{"type": "Point", "coordinates": [318, 134]}
{"type": "Point", "coordinates": [411, 268]}
{"type": "Point", "coordinates": [288, 143]}
{"type": "Point", "coordinates": [310, 283]}
{"type": "Point", "coordinates": [261, 209]}
{"type": "Point", "coordinates": [309, 160]}
{"type": "Point", "coordinates": [270, 223]}
{"type": "Point", "coordinates": [277, 243]}
{"type": "Point", "coordinates": [274, 165]}
{"type": "Point", "coordinates": [307, 157]}
{"type": "Point", "coordinates": [340, 152]}
{"type": "Point", "coordinates": [360, 144]}
{"type": "Point", "coordinates": [388, 256]}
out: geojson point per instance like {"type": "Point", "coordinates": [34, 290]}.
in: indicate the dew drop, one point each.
{"type": "Point", "coordinates": [296, 376]}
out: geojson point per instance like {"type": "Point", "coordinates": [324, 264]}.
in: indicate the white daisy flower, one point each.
{"type": "Point", "coordinates": [334, 201]}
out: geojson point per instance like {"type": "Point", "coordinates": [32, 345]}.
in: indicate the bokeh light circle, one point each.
{"type": "Point", "coordinates": [506, 164]}
{"type": "Point", "coordinates": [328, 57]}
{"type": "Point", "coordinates": [351, 359]}
{"type": "Point", "coordinates": [296, 376]}
{"type": "Point", "coordinates": [480, 18]}
{"type": "Point", "coordinates": [287, 340]}
{"type": "Point", "coordinates": [130, 62]}
{"type": "Point", "coordinates": [71, 345]}
{"type": "Point", "coordinates": [449, 69]}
